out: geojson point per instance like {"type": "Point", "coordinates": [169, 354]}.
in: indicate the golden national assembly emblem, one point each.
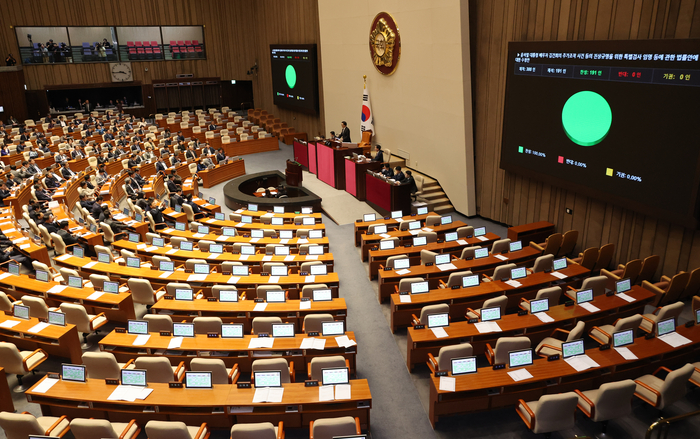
{"type": "Point", "coordinates": [384, 43]}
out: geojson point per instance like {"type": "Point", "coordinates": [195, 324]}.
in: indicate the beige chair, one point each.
{"type": "Point", "coordinates": [264, 324]}
{"type": "Point", "coordinates": [455, 279]}
{"type": "Point", "coordinates": [66, 272]}
{"type": "Point", "coordinates": [204, 244]}
{"type": "Point", "coordinates": [693, 285]}
{"type": "Point", "coordinates": [392, 259]}
{"type": "Point", "coordinates": [142, 291]}
{"type": "Point", "coordinates": [551, 293]}
{"type": "Point", "coordinates": [552, 345]}
{"type": "Point", "coordinates": [465, 231]}
{"type": "Point", "coordinates": [317, 364]}
{"type": "Point", "coordinates": [23, 425]}
{"type": "Point", "coordinates": [59, 247]}
{"type": "Point", "coordinates": [159, 322]}
{"type": "Point", "coordinates": [329, 428]}
{"type": "Point", "coordinates": [102, 428]}
{"type": "Point", "coordinates": [662, 313]}
{"type": "Point", "coordinates": [101, 365]}
{"type": "Point", "coordinates": [603, 334]}
{"type": "Point", "coordinates": [499, 354]}
{"type": "Point", "coordinates": [610, 401]}
{"type": "Point", "coordinates": [267, 266]}
{"type": "Point", "coordinates": [205, 325]}
{"type": "Point", "coordinates": [175, 430]}
{"type": "Point", "coordinates": [500, 301]}
{"type": "Point", "coordinates": [150, 236]}
{"type": "Point", "coordinates": [84, 322]}
{"type": "Point", "coordinates": [37, 306]}
{"type": "Point", "coordinates": [176, 240]}
{"type": "Point", "coordinates": [217, 289]}
{"type": "Point", "coordinates": [500, 246]}
{"type": "Point", "coordinates": [157, 259]}
{"type": "Point", "coordinates": [261, 430]}
{"type": "Point", "coordinates": [20, 362]}
{"type": "Point", "coordinates": [672, 288]}
{"type": "Point", "coordinates": [443, 362]}
{"type": "Point", "coordinates": [568, 243]}
{"type": "Point", "coordinates": [695, 377]}
{"type": "Point", "coordinates": [220, 374]}
{"type": "Point", "coordinates": [172, 287]}
{"type": "Point", "coordinates": [313, 322]}
{"type": "Point", "coordinates": [468, 252]}
{"type": "Point", "coordinates": [551, 246]}
{"type": "Point", "coordinates": [308, 290]}
{"type": "Point", "coordinates": [501, 272]}
{"type": "Point", "coordinates": [432, 220]}
{"type": "Point", "coordinates": [427, 257]}
{"type": "Point", "coordinates": [630, 270]}
{"type": "Point", "coordinates": [405, 283]}
{"type": "Point", "coordinates": [543, 263]}
{"type": "Point", "coordinates": [648, 270]}
{"type": "Point", "coordinates": [595, 283]}
{"type": "Point", "coordinates": [159, 370]}
{"type": "Point", "coordinates": [430, 237]}
{"type": "Point", "coordinates": [306, 266]}
{"type": "Point", "coordinates": [439, 308]}
{"type": "Point", "coordinates": [550, 413]}
{"type": "Point", "coordinates": [262, 290]}
{"type": "Point", "coordinates": [661, 393]}
{"type": "Point", "coordinates": [7, 302]}
{"type": "Point", "coordinates": [286, 369]}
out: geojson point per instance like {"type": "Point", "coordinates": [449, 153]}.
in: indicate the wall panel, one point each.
{"type": "Point", "coordinates": [496, 23]}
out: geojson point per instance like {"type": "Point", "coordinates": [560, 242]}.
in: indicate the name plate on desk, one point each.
{"type": "Point", "coordinates": [690, 324]}
{"type": "Point", "coordinates": [429, 264]}
{"type": "Point", "coordinates": [153, 267]}
{"type": "Point", "coordinates": [604, 347]}
{"type": "Point", "coordinates": [387, 268]}
{"type": "Point", "coordinates": [165, 333]}
{"type": "Point", "coordinates": [54, 376]}
{"type": "Point", "coordinates": [569, 303]}
{"type": "Point", "coordinates": [212, 335]}
{"type": "Point", "coordinates": [419, 327]}
{"type": "Point", "coordinates": [243, 385]}
{"type": "Point", "coordinates": [305, 299]}
{"type": "Point", "coordinates": [441, 373]}
{"type": "Point", "coordinates": [610, 293]}
{"type": "Point", "coordinates": [264, 273]}
{"type": "Point", "coordinates": [473, 321]}
{"type": "Point", "coordinates": [522, 312]}
{"type": "Point", "coordinates": [175, 385]}
{"type": "Point", "coordinates": [403, 293]}
{"type": "Point", "coordinates": [263, 335]}
{"type": "Point", "coordinates": [168, 297]}
{"type": "Point", "coordinates": [408, 245]}
{"type": "Point", "coordinates": [456, 287]}
{"type": "Point", "coordinates": [211, 299]}
{"type": "Point", "coordinates": [649, 336]}
{"type": "Point", "coordinates": [311, 383]}
{"type": "Point", "coordinates": [313, 334]}
{"type": "Point", "coordinates": [499, 366]}
{"type": "Point", "coordinates": [553, 357]}
{"type": "Point", "coordinates": [120, 330]}
{"type": "Point", "coordinates": [111, 381]}
{"type": "Point", "coordinates": [258, 300]}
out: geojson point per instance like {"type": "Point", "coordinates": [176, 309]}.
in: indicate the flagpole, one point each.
{"type": "Point", "coordinates": [365, 78]}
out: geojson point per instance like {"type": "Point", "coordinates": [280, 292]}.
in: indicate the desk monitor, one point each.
{"type": "Point", "coordinates": [419, 287]}
{"type": "Point", "coordinates": [278, 209]}
{"type": "Point", "coordinates": [57, 318]}
{"type": "Point", "coordinates": [572, 348]}
{"type": "Point", "coordinates": [481, 253]}
{"type": "Point", "coordinates": [623, 338]}
{"type": "Point", "coordinates": [286, 234]}
{"type": "Point", "coordinates": [75, 282]}
{"type": "Point", "coordinates": [283, 329]}
{"type": "Point", "coordinates": [420, 240]}
{"type": "Point", "coordinates": [539, 305]}
{"type": "Point", "coordinates": [268, 378]}
{"type": "Point", "coordinates": [204, 230]}
{"type": "Point", "coordinates": [335, 375]}
{"type": "Point", "coordinates": [78, 251]}
{"type": "Point", "coordinates": [133, 377]}
{"type": "Point", "coordinates": [470, 281]}
{"type": "Point", "coordinates": [413, 225]}
{"type": "Point", "coordinates": [397, 214]}
{"type": "Point", "coordinates": [212, 200]}
{"type": "Point", "coordinates": [247, 250]}
{"type": "Point", "coordinates": [354, 436]}
{"type": "Point", "coordinates": [276, 297]}
{"type": "Point", "coordinates": [480, 231]}
{"type": "Point", "coordinates": [369, 217]}
{"type": "Point", "coordinates": [308, 221]}
{"type": "Point", "coordinates": [697, 316]}
{"type": "Point", "coordinates": [282, 250]}
{"type": "Point", "coordinates": [559, 264]}
{"type": "Point", "coordinates": [422, 211]}
{"type": "Point", "coordinates": [216, 248]}
{"type": "Point", "coordinates": [125, 211]}
{"type": "Point", "coordinates": [219, 216]}
{"type": "Point", "coordinates": [13, 268]}
{"type": "Point", "coordinates": [138, 327]}
{"type": "Point", "coordinates": [451, 236]}
{"type": "Point", "coordinates": [319, 270]}
{"type": "Point", "coordinates": [158, 242]}
{"type": "Point", "coordinates": [463, 365]}
{"type": "Point", "coordinates": [46, 437]}
{"type": "Point", "coordinates": [183, 294]}
{"type": "Point", "coordinates": [200, 195]}
{"type": "Point", "coordinates": [307, 210]}
{"type": "Point", "coordinates": [333, 328]}
{"type": "Point", "coordinates": [623, 286]}
{"type": "Point", "coordinates": [232, 330]}
{"type": "Point", "coordinates": [252, 207]}
{"type": "Point", "coordinates": [666, 326]}
{"type": "Point", "coordinates": [447, 219]}
{"type": "Point", "coordinates": [112, 287]}
{"type": "Point", "coordinates": [387, 244]}
{"type": "Point", "coordinates": [278, 270]}
{"type": "Point", "coordinates": [138, 217]}
{"type": "Point", "coordinates": [318, 234]}
{"type": "Point", "coordinates": [198, 380]}
{"type": "Point", "coordinates": [518, 273]}
{"type": "Point", "coordinates": [133, 262]}
{"type": "Point", "coordinates": [166, 266]}
{"type": "Point", "coordinates": [438, 320]}
{"type": "Point", "coordinates": [315, 249]}
{"type": "Point", "coordinates": [228, 296]}
{"type": "Point", "coordinates": [400, 264]}
{"type": "Point", "coordinates": [73, 372]}
{"type": "Point", "coordinates": [178, 208]}
{"type": "Point", "coordinates": [183, 329]}
{"type": "Point", "coordinates": [134, 237]}
{"type": "Point", "coordinates": [515, 246]}
{"type": "Point", "coordinates": [276, 221]}
{"type": "Point", "coordinates": [201, 268]}
{"type": "Point", "coordinates": [489, 314]}
{"type": "Point", "coordinates": [21, 312]}
{"type": "Point", "coordinates": [246, 219]}
{"type": "Point", "coordinates": [180, 226]}
{"type": "Point", "coordinates": [584, 296]}
{"type": "Point", "coordinates": [256, 233]}
{"type": "Point", "coordinates": [239, 270]}
{"type": "Point", "coordinates": [186, 246]}
{"type": "Point", "coordinates": [322, 295]}
{"type": "Point", "coordinates": [442, 259]}
{"type": "Point", "coordinates": [42, 275]}
{"type": "Point", "coordinates": [520, 358]}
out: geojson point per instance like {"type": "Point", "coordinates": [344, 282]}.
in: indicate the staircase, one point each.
{"type": "Point", "coordinates": [432, 195]}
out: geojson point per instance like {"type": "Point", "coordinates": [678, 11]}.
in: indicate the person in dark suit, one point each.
{"type": "Point", "coordinates": [212, 126]}
{"type": "Point", "coordinates": [157, 214]}
{"type": "Point", "coordinates": [41, 194]}
{"type": "Point", "coordinates": [50, 181]}
{"type": "Point", "coordinates": [208, 150]}
{"type": "Point", "coordinates": [4, 193]}
{"type": "Point", "coordinates": [197, 211]}
{"type": "Point", "coordinates": [176, 198]}
{"type": "Point", "coordinates": [344, 132]}
{"type": "Point", "coordinates": [180, 137]}
{"type": "Point", "coordinates": [411, 182]}
{"type": "Point", "coordinates": [221, 155]}
{"type": "Point", "coordinates": [96, 209]}
{"type": "Point", "coordinates": [66, 172]}
{"type": "Point", "coordinates": [69, 239]}
{"type": "Point", "coordinates": [132, 188]}
{"type": "Point", "coordinates": [160, 165]}
{"type": "Point", "coordinates": [379, 155]}
{"type": "Point", "coordinates": [190, 154]}
{"type": "Point", "coordinates": [133, 161]}
{"type": "Point", "coordinates": [398, 174]}
{"type": "Point", "coordinates": [386, 171]}
{"type": "Point", "coordinates": [172, 187]}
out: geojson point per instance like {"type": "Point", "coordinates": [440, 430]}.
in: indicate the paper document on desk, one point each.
{"type": "Point", "coordinates": [385, 235]}
{"type": "Point", "coordinates": [240, 225]}
{"type": "Point", "coordinates": [313, 343]}
{"type": "Point", "coordinates": [18, 240]}
{"type": "Point", "coordinates": [141, 340]}
{"type": "Point", "coordinates": [273, 279]}
{"type": "Point", "coordinates": [243, 257]}
{"type": "Point", "coordinates": [310, 278]}
{"type": "Point", "coordinates": [9, 230]}
{"type": "Point", "coordinates": [448, 384]}
{"type": "Point", "coordinates": [520, 374]}
{"type": "Point", "coordinates": [626, 353]}
{"type": "Point", "coordinates": [151, 248]}
{"type": "Point", "coordinates": [268, 394]}
{"type": "Point", "coordinates": [302, 241]}
{"type": "Point", "coordinates": [289, 258]}
{"type": "Point", "coordinates": [141, 247]}
{"type": "Point", "coordinates": [501, 257]}
{"type": "Point", "coordinates": [199, 235]}
{"type": "Point", "coordinates": [403, 271]}
{"type": "Point", "coordinates": [284, 241]}
{"type": "Point", "coordinates": [305, 305]}
{"type": "Point", "coordinates": [624, 296]}
{"type": "Point", "coordinates": [24, 246]}
{"type": "Point", "coordinates": [439, 332]}
{"type": "Point", "coordinates": [343, 391]}
{"type": "Point", "coordinates": [513, 283]}
{"type": "Point", "coordinates": [45, 385]}
{"type": "Point", "coordinates": [254, 240]}
{"type": "Point", "coordinates": [197, 278]}
{"type": "Point", "coordinates": [57, 289]}
{"type": "Point", "coordinates": [221, 238]}
{"type": "Point", "coordinates": [38, 327]}
{"type": "Point", "coordinates": [96, 295]}
{"type": "Point", "coordinates": [462, 242]}
{"type": "Point", "coordinates": [260, 307]}
{"type": "Point", "coordinates": [175, 342]}
{"type": "Point", "coordinates": [544, 317]}
{"type": "Point", "coordinates": [312, 257]}
{"type": "Point", "coordinates": [485, 327]}
{"type": "Point", "coordinates": [240, 211]}
{"type": "Point", "coordinates": [674, 339]}
{"type": "Point", "coordinates": [444, 267]}
{"type": "Point", "coordinates": [172, 251]}
{"type": "Point", "coordinates": [589, 307]}
{"type": "Point", "coordinates": [344, 341]}
{"type": "Point", "coordinates": [4, 275]}
{"type": "Point", "coordinates": [90, 264]}
{"type": "Point", "coordinates": [581, 362]}
{"type": "Point", "coordinates": [213, 255]}
{"type": "Point", "coordinates": [558, 275]}
{"type": "Point", "coordinates": [414, 232]}
{"type": "Point", "coordinates": [165, 274]}
{"type": "Point", "coordinates": [233, 279]}
{"type": "Point", "coordinates": [482, 238]}
{"type": "Point", "coordinates": [62, 257]}
{"type": "Point", "coordinates": [261, 343]}
{"type": "Point", "coordinates": [325, 393]}
{"type": "Point", "coordinates": [210, 220]}
{"type": "Point", "coordinates": [267, 258]}
{"type": "Point", "coordinates": [404, 298]}
{"type": "Point", "coordinates": [9, 323]}
{"type": "Point", "coordinates": [129, 393]}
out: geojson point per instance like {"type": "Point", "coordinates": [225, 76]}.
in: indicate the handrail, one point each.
{"type": "Point", "coordinates": [663, 424]}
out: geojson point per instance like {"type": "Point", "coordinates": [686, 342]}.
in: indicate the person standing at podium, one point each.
{"type": "Point", "coordinates": [344, 132]}
{"type": "Point", "coordinates": [379, 155]}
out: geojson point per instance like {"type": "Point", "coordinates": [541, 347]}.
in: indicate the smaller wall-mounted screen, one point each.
{"type": "Point", "coordinates": [295, 77]}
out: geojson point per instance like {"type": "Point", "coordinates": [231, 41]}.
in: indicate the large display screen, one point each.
{"type": "Point", "coordinates": [295, 77]}
{"type": "Point", "coordinates": [616, 120]}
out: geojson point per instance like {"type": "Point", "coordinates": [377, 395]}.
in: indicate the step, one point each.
{"type": "Point", "coordinates": [438, 201]}
{"type": "Point", "coordinates": [434, 196]}
{"type": "Point", "coordinates": [444, 209]}
{"type": "Point", "coordinates": [432, 190]}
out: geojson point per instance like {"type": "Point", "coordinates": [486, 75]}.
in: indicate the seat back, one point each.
{"type": "Point", "coordinates": [37, 306]}
{"type": "Point", "coordinates": [632, 270]}
{"type": "Point", "coordinates": [432, 309]}
{"type": "Point", "coordinates": [465, 231]}
{"type": "Point", "coordinates": [631, 322]}
{"type": "Point", "coordinates": [405, 283]}
{"type": "Point", "coordinates": [320, 363]}
{"type": "Point", "coordinates": [92, 428]}
{"type": "Point", "coordinates": [58, 244]}
{"type": "Point", "coordinates": [391, 259]}
{"type": "Point", "coordinates": [589, 258]}
{"type": "Point", "coordinates": [260, 430]}
{"type": "Point", "coordinates": [500, 301]}
{"type": "Point", "coordinates": [169, 429]}
{"type": "Point", "coordinates": [10, 359]}
{"type": "Point", "coordinates": [675, 288]}
{"type": "Point", "coordinates": [596, 283]}
{"type": "Point", "coordinates": [332, 427]}
{"type": "Point", "coordinates": [217, 367]}
{"type": "Point", "coordinates": [693, 285]}
{"type": "Point", "coordinates": [158, 369]}
{"type": "Point", "coordinates": [261, 290]}
{"type": "Point", "coordinates": [604, 256]}
{"type": "Point", "coordinates": [189, 263]}
{"type": "Point", "coordinates": [577, 332]}
{"type": "Point", "coordinates": [170, 287]}
{"type": "Point", "coordinates": [108, 233]}
{"type": "Point", "coordinates": [568, 243]}
{"type": "Point", "coordinates": [553, 244]}
{"type": "Point", "coordinates": [217, 289]}
{"type": "Point", "coordinates": [264, 324]}
{"type": "Point", "coordinates": [312, 322]}
{"type": "Point", "coordinates": [468, 252]}
{"type": "Point", "coordinates": [205, 325]}
{"type": "Point", "coordinates": [427, 257]}
{"type": "Point", "coordinates": [5, 303]}
{"type": "Point", "coordinates": [668, 311]}
{"type": "Point", "coordinates": [159, 322]}
{"type": "Point", "coordinates": [20, 425]}
{"type": "Point", "coordinates": [500, 246]}
{"type": "Point", "coordinates": [141, 291]}
{"type": "Point", "coordinates": [503, 271]}
{"type": "Point", "coordinates": [308, 290]}
{"type": "Point", "coordinates": [429, 236]}
{"type": "Point", "coordinates": [555, 412]}
{"type": "Point", "coordinates": [507, 344]}
{"type": "Point", "coordinates": [675, 385]}
{"type": "Point", "coordinates": [613, 400]}
{"type": "Point", "coordinates": [101, 365]}
{"type": "Point", "coordinates": [456, 278]}
{"type": "Point", "coordinates": [76, 315]}
{"type": "Point", "coordinates": [551, 293]}
{"type": "Point", "coordinates": [648, 269]}
{"type": "Point", "coordinates": [543, 263]}
{"type": "Point", "coordinates": [273, 364]}
{"type": "Point", "coordinates": [447, 353]}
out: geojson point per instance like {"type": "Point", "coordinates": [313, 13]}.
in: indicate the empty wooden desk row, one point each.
{"type": "Point", "coordinates": [288, 216]}
{"type": "Point", "coordinates": [361, 226]}
{"type": "Point", "coordinates": [220, 407]}
{"type": "Point", "coordinates": [489, 389]}
{"type": "Point", "coordinates": [195, 236]}
{"type": "Point", "coordinates": [32, 334]}
{"type": "Point", "coordinates": [421, 342]}
{"type": "Point", "coordinates": [369, 241]}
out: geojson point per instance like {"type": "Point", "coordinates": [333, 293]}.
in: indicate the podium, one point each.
{"type": "Point", "coordinates": [293, 174]}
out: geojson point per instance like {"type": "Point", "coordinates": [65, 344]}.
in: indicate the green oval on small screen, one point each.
{"type": "Point", "coordinates": [587, 118]}
{"type": "Point", "coordinates": [291, 76]}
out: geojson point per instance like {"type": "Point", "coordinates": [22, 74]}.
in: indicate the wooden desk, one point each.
{"type": "Point", "coordinates": [362, 226]}
{"type": "Point", "coordinates": [251, 146]}
{"type": "Point", "coordinates": [194, 237]}
{"type": "Point", "coordinates": [231, 350]}
{"type": "Point", "coordinates": [27, 246]}
{"type": "Point", "coordinates": [220, 407]}
{"type": "Point", "coordinates": [420, 342]}
{"type": "Point", "coordinates": [288, 216]}
{"type": "Point", "coordinates": [355, 182]}
{"type": "Point", "coordinates": [386, 197]}
{"type": "Point", "coordinates": [369, 241]}
{"type": "Point", "coordinates": [59, 341]}
{"type": "Point", "coordinates": [6, 404]}
{"type": "Point", "coordinates": [222, 173]}
{"type": "Point", "coordinates": [490, 389]}
{"type": "Point", "coordinates": [537, 232]}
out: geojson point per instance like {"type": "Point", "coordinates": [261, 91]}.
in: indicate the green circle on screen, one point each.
{"type": "Point", "coordinates": [291, 76]}
{"type": "Point", "coordinates": [586, 118]}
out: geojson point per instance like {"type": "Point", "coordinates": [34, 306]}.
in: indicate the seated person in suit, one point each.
{"type": "Point", "coordinates": [96, 208]}
{"type": "Point", "coordinates": [410, 182]}
{"type": "Point", "coordinates": [85, 190]}
{"type": "Point", "coordinates": [32, 168]}
{"type": "Point", "coordinates": [132, 188]}
{"type": "Point", "coordinates": [386, 171]}
{"type": "Point", "coordinates": [176, 198]}
{"type": "Point", "coordinates": [157, 214]}
{"type": "Point", "coordinates": [70, 239]}
{"type": "Point", "coordinates": [212, 126]}
{"type": "Point", "coordinates": [40, 193]}
{"type": "Point", "coordinates": [208, 150]}
{"type": "Point", "coordinates": [172, 187]}
{"type": "Point", "coordinates": [379, 155]}
{"type": "Point", "coordinates": [398, 175]}
{"type": "Point", "coordinates": [190, 154]}
{"type": "Point", "coordinates": [133, 161]}
{"type": "Point", "coordinates": [47, 221]}
{"type": "Point", "coordinates": [180, 137]}
{"type": "Point", "coordinates": [176, 177]}
{"type": "Point", "coordinates": [197, 211]}
{"type": "Point", "coordinates": [66, 171]}
{"type": "Point", "coordinates": [221, 155]}
{"type": "Point", "coordinates": [160, 165]}
{"type": "Point", "coordinates": [4, 193]}
{"type": "Point", "coordinates": [106, 217]}
{"type": "Point", "coordinates": [8, 252]}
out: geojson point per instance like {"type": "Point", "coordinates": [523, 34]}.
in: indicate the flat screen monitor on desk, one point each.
{"type": "Point", "coordinates": [665, 326]}
{"type": "Point", "coordinates": [520, 358]}
{"type": "Point", "coordinates": [228, 231]}
{"type": "Point", "coordinates": [256, 233]}
{"type": "Point", "coordinates": [139, 327]}
{"type": "Point", "coordinates": [481, 231]}
{"type": "Point", "coordinates": [387, 244]}
{"type": "Point", "coordinates": [315, 249]}
{"type": "Point", "coordinates": [158, 242]}
{"type": "Point", "coordinates": [246, 219]}
{"type": "Point", "coordinates": [333, 328]}
{"type": "Point", "coordinates": [134, 237]}
{"type": "Point", "coordinates": [518, 273]}
{"type": "Point", "coordinates": [283, 330]}
{"type": "Point", "coordinates": [73, 372]}
{"type": "Point", "coordinates": [42, 275]}
{"type": "Point", "coordinates": [201, 268]}
{"type": "Point", "coordinates": [278, 209]}
{"type": "Point", "coordinates": [276, 221]}
{"type": "Point", "coordinates": [219, 216]}
{"type": "Point", "coordinates": [442, 259]}
{"type": "Point", "coordinates": [21, 312]}
{"type": "Point", "coordinates": [282, 250]}
{"type": "Point", "coordinates": [232, 330]}
{"type": "Point", "coordinates": [228, 296]}
{"type": "Point", "coordinates": [198, 380]}
{"type": "Point", "coordinates": [335, 375]}
{"type": "Point", "coordinates": [438, 320]}
{"type": "Point", "coordinates": [447, 219]}
{"type": "Point", "coordinates": [572, 348]}
{"type": "Point", "coordinates": [317, 234]}
{"type": "Point", "coordinates": [183, 294]}
{"type": "Point", "coordinates": [286, 234]}
{"type": "Point", "coordinates": [247, 250]}
{"type": "Point", "coordinates": [481, 253]}
{"type": "Point", "coordinates": [414, 225]}
{"type": "Point", "coordinates": [400, 264]}
{"type": "Point", "coordinates": [559, 264]}
{"type": "Point", "coordinates": [319, 270]}
{"type": "Point", "coordinates": [216, 248]}
{"type": "Point", "coordinates": [463, 365]}
{"type": "Point", "coordinates": [419, 287]}
{"type": "Point", "coordinates": [103, 258]}
{"type": "Point", "coordinates": [278, 270]}
{"type": "Point", "coordinates": [584, 296]}
{"type": "Point", "coordinates": [623, 338]}
{"type": "Point", "coordinates": [396, 214]}
{"type": "Point", "coordinates": [186, 246]}
{"type": "Point", "coordinates": [369, 217]}
{"type": "Point", "coordinates": [307, 210]}
{"type": "Point", "coordinates": [57, 318]}
{"type": "Point", "coordinates": [308, 221]}
{"type": "Point", "coordinates": [239, 270]}
{"type": "Point", "coordinates": [489, 314]}
{"type": "Point", "coordinates": [252, 207]}
{"type": "Point", "coordinates": [179, 226]}
{"type": "Point", "coordinates": [420, 240]}
{"type": "Point", "coordinates": [515, 246]}
{"type": "Point", "coordinates": [133, 377]}
{"type": "Point", "coordinates": [451, 236]}
{"type": "Point", "coordinates": [13, 269]}
{"type": "Point", "coordinates": [276, 296]}
{"type": "Point", "coordinates": [539, 305]}
{"type": "Point", "coordinates": [183, 329]}
{"type": "Point", "coordinates": [322, 295]}
{"type": "Point", "coordinates": [204, 230]}
{"type": "Point", "coordinates": [133, 262]}
{"type": "Point", "coordinates": [422, 211]}
{"type": "Point", "coordinates": [470, 281]}
{"type": "Point", "coordinates": [268, 378]}
{"type": "Point", "coordinates": [622, 286]}
{"type": "Point", "coordinates": [166, 266]}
